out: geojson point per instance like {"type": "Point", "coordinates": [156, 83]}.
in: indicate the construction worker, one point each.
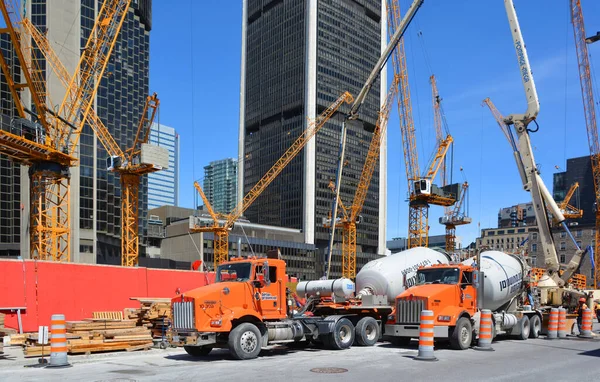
{"type": "Point", "coordinates": [582, 306]}
{"type": "Point", "coordinates": [598, 310]}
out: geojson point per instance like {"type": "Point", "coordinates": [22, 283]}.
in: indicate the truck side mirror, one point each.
{"type": "Point", "coordinates": [265, 274]}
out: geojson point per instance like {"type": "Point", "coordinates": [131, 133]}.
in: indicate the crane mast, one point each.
{"type": "Point", "coordinates": [589, 109]}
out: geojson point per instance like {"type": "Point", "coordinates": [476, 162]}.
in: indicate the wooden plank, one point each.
{"type": "Point", "coordinates": [140, 347]}
{"type": "Point", "coordinates": [116, 315]}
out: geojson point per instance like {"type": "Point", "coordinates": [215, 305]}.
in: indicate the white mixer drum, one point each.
{"type": "Point", "coordinates": [503, 278]}
{"type": "Point", "coordinates": [392, 274]}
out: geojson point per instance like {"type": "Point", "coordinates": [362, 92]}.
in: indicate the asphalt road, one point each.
{"type": "Point", "coordinates": [539, 359]}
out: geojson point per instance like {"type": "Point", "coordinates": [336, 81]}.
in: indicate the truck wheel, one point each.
{"type": "Point", "coordinates": [524, 326]}
{"type": "Point", "coordinates": [367, 331]}
{"type": "Point", "coordinates": [462, 334]}
{"type": "Point", "coordinates": [535, 326]}
{"type": "Point", "coordinates": [342, 336]}
{"type": "Point", "coordinates": [197, 351]}
{"type": "Point", "coordinates": [245, 341]}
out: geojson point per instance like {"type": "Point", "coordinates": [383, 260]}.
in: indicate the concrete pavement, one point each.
{"type": "Point", "coordinates": [556, 360]}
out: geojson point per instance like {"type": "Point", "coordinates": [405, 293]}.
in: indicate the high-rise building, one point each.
{"type": "Point", "coordinates": [95, 192]}
{"type": "Point", "coordinates": [10, 173]}
{"type": "Point", "coordinates": [297, 58]}
{"type": "Point", "coordinates": [519, 215]}
{"type": "Point", "coordinates": [163, 186]}
{"type": "Point", "coordinates": [220, 184]}
{"type": "Point", "coordinates": [578, 170]}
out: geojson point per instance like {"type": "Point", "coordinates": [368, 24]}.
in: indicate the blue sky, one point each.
{"type": "Point", "coordinates": [195, 69]}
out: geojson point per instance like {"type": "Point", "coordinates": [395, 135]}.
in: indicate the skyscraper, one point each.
{"type": "Point", "coordinates": [10, 173]}
{"type": "Point", "coordinates": [96, 192]}
{"type": "Point", "coordinates": [220, 184]}
{"type": "Point", "coordinates": [297, 58]}
{"type": "Point", "coordinates": [578, 170]}
{"type": "Point", "coordinates": [163, 186]}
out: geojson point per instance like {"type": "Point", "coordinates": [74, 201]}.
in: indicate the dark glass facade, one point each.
{"type": "Point", "coordinates": [348, 43]}
{"type": "Point", "coordinates": [578, 170]}
{"type": "Point", "coordinates": [10, 173]}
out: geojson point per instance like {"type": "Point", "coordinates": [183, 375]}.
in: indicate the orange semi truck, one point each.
{"type": "Point", "coordinates": [249, 308]}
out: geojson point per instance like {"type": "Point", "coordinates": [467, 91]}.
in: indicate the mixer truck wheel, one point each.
{"type": "Point", "coordinates": [197, 351]}
{"type": "Point", "coordinates": [244, 341]}
{"type": "Point", "coordinates": [342, 336]}
{"type": "Point", "coordinates": [535, 326]}
{"type": "Point", "coordinates": [524, 326]}
{"type": "Point", "coordinates": [367, 331]}
{"type": "Point", "coordinates": [462, 335]}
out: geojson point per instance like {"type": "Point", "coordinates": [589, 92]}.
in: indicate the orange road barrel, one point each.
{"type": "Point", "coordinates": [553, 324]}
{"type": "Point", "coordinates": [586, 324]}
{"type": "Point", "coordinates": [58, 341]}
{"type": "Point", "coordinates": [562, 323]}
{"type": "Point", "coordinates": [485, 331]}
{"type": "Point", "coordinates": [426, 337]}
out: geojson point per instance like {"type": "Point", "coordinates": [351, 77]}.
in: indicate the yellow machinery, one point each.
{"type": "Point", "coordinates": [48, 141]}
{"type": "Point", "coordinates": [590, 116]}
{"type": "Point", "coordinates": [128, 164]}
{"type": "Point", "coordinates": [422, 191]}
{"type": "Point", "coordinates": [569, 211]}
{"type": "Point", "coordinates": [223, 223]}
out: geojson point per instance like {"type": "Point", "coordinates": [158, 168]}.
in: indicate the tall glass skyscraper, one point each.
{"type": "Point", "coordinates": [96, 192]}
{"type": "Point", "coordinates": [220, 184]}
{"type": "Point", "coordinates": [297, 58]}
{"type": "Point", "coordinates": [163, 186]}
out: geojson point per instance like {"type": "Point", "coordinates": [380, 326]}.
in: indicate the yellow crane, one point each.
{"type": "Point", "coordinates": [129, 163]}
{"type": "Point", "coordinates": [569, 211]}
{"type": "Point", "coordinates": [223, 223]}
{"type": "Point", "coordinates": [422, 191]}
{"type": "Point", "coordinates": [47, 142]}
{"type": "Point", "coordinates": [591, 122]}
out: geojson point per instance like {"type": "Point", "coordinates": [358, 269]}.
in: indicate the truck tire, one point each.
{"type": "Point", "coordinates": [462, 335]}
{"type": "Point", "coordinates": [524, 326]}
{"type": "Point", "coordinates": [245, 341]}
{"type": "Point", "coordinates": [535, 326]}
{"type": "Point", "coordinates": [197, 351]}
{"type": "Point", "coordinates": [367, 331]}
{"type": "Point", "coordinates": [342, 336]}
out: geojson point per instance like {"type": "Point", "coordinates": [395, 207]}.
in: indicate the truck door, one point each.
{"type": "Point", "coordinates": [468, 296]}
{"type": "Point", "coordinates": [270, 301]}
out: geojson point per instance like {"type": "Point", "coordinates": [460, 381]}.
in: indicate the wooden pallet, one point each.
{"type": "Point", "coordinates": [107, 315]}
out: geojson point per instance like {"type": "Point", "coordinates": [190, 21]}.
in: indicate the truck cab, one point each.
{"type": "Point", "coordinates": [245, 290]}
{"type": "Point", "coordinates": [446, 289]}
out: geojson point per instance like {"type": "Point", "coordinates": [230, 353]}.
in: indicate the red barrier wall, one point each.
{"type": "Point", "coordinates": [76, 290]}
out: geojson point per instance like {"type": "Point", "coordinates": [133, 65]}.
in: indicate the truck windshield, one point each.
{"type": "Point", "coordinates": [234, 272]}
{"type": "Point", "coordinates": [438, 276]}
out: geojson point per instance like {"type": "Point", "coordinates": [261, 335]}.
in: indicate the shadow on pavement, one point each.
{"type": "Point", "coordinates": [223, 354]}
{"type": "Point", "coordinates": [591, 353]}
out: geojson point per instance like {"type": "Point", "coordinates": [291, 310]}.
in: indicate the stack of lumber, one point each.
{"type": "Point", "coordinates": [96, 335]}
{"type": "Point", "coordinates": [154, 313]}
{"type": "Point", "coordinates": [5, 331]}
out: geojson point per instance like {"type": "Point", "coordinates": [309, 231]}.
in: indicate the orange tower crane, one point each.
{"type": "Point", "coordinates": [591, 121]}
{"type": "Point", "coordinates": [569, 211]}
{"type": "Point", "coordinates": [422, 191]}
{"type": "Point", "coordinates": [140, 159]}
{"type": "Point", "coordinates": [223, 223]}
{"type": "Point", "coordinates": [47, 143]}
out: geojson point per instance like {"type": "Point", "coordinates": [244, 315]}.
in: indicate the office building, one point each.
{"type": "Point", "coordinates": [220, 184]}
{"type": "Point", "coordinates": [307, 53]}
{"type": "Point", "coordinates": [10, 173]}
{"type": "Point", "coordinates": [519, 215]}
{"type": "Point", "coordinates": [163, 186]}
{"type": "Point", "coordinates": [96, 192]}
{"type": "Point", "coordinates": [578, 170]}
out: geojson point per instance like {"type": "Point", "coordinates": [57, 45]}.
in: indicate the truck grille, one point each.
{"type": "Point", "coordinates": [409, 312]}
{"type": "Point", "coordinates": [183, 315]}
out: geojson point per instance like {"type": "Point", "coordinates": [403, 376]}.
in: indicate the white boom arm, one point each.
{"type": "Point", "coordinates": [528, 170]}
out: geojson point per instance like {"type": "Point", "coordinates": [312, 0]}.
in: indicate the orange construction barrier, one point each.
{"type": "Point", "coordinates": [586, 324]}
{"type": "Point", "coordinates": [426, 337]}
{"type": "Point", "coordinates": [485, 331]}
{"type": "Point", "coordinates": [58, 341]}
{"type": "Point", "coordinates": [553, 324]}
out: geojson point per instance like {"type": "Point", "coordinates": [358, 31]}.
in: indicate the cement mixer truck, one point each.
{"type": "Point", "coordinates": [456, 293]}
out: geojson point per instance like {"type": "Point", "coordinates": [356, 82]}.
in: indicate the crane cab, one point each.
{"type": "Point", "coordinates": [113, 162]}
{"type": "Point", "coordinates": [422, 187]}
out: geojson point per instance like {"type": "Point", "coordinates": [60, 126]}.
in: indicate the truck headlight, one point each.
{"type": "Point", "coordinates": [444, 318]}
{"type": "Point", "coordinates": [216, 323]}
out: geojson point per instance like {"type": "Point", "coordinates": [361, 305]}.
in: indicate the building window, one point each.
{"type": "Point", "coordinates": [579, 243]}
{"type": "Point", "coordinates": [578, 233]}
{"type": "Point", "coordinates": [563, 246]}
{"type": "Point", "coordinates": [534, 236]}
{"type": "Point", "coordinates": [563, 234]}
{"type": "Point", "coordinates": [563, 258]}
{"type": "Point", "coordinates": [534, 247]}
{"type": "Point", "coordinates": [533, 260]}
